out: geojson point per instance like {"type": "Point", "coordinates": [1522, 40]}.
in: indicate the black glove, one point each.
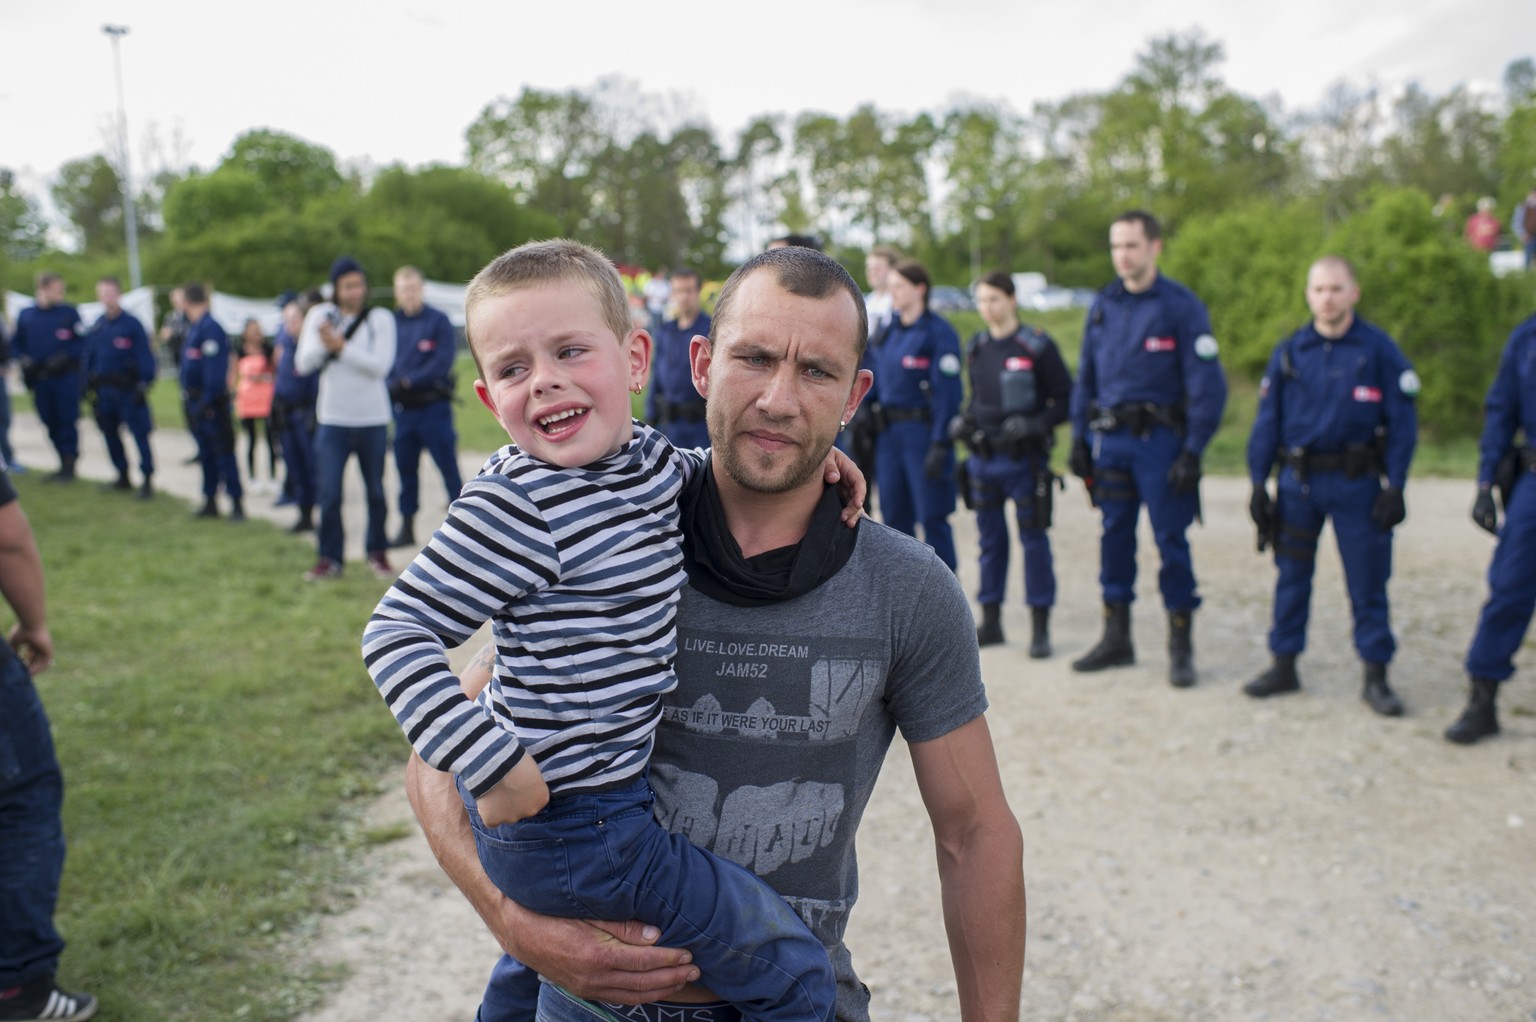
{"type": "Point", "coordinates": [1023, 427]}
{"type": "Point", "coordinates": [1184, 474]}
{"type": "Point", "coordinates": [960, 428]}
{"type": "Point", "coordinates": [1262, 510]}
{"type": "Point", "coordinates": [1389, 510]}
{"type": "Point", "coordinates": [936, 461]}
{"type": "Point", "coordinates": [1080, 461]}
{"type": "Point", "coordinates": [1484, 513]}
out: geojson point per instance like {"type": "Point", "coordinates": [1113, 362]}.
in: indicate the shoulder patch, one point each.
{"type": "Point", "coordinates": [1206, 347]}
{"type": "Point", "coordinates": [949, 365]}
{"type": "Point", "coordinates": [210, 347]}
{"type": "Point", "coordinates": [1409, 383]}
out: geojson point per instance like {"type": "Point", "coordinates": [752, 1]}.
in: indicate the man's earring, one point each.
{"type": "Point", "coordinates": [842, 425]}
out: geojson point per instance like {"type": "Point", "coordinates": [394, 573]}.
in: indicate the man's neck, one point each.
{"type": "Point", "coordinates": [352, 311]}
{"type": "Point", "coordinates": [195, 315]}
{"type": "Point", "coordinates": [1139, 285]}
{"type": "Point", "coordinates": [1333, 333]}
{"type": "Point", "coordinates": [685, 322]}
{"type": "Point", "coordinates": [411, 310]}
{"type": "Point", "coordinates": [760, 522]}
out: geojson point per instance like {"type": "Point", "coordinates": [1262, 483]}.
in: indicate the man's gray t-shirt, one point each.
{"type": "Point", "coordinates": [770, 745]}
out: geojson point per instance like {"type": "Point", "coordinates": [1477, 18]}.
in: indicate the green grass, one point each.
{"type": "Point", "coordinates": [217, 733]}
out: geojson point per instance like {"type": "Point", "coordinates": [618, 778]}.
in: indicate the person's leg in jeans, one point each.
{"type": "Point", "coordinates": [332, 445]}
{"type": "Point", "coordinates": [31, 831]}
{"type": "Point", "coordinates": [371, 443]}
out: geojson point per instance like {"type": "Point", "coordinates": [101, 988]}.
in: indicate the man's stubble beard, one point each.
{"type": "Point", "coordinates": [764, 473]}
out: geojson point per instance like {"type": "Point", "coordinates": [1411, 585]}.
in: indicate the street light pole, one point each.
{"type": "Point", "coordinates": [125, 172]}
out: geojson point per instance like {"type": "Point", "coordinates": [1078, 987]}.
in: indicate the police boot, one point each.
{"type": "Point", "coordinates": [306, 522]}
{"type": "Point", "coordinates": [990, 631]}
{"type": "Point", "coordinates": [236, 511]}
{"type": "Point", "coordinates": [1480, 719]}
{"type": "Point", "coordinates": [407, 534]}
{"type": "Point", "coordinates": [66, 472]}
{"type": "Point", "coordinates": [210, 509]}
{"type": "Point", "coordinates": [122, 482]}
{"type": "Point", "coordinates": [1379, 694]}
{"type": "Point", "coordinates": [1039, 633]}
{"type": "Point", "coordinates": [1181, 648]}
{"type": "Point", "coordinates": [1114, 649]}
{"type": "Point", "coordinates": [1278, 680]}
{"type": "Point", "coordinates": [146, 490]}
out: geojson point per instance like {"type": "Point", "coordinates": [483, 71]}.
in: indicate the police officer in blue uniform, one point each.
{"type": "Point", "coordinates": [49, 345]}
{"type": "Point", "coordinates": [672, 404]}
{"type": "Point", "coordinates": [119, 370]}
{"type": "Point", "coordinates": [1149, 396]}
{"type": "Point", "coordinates": [1509, 468]}
{"type": "Point", "coordinates": [918, 392]}
{"type": "Point", "coordinates": [293, 403]}
{"type": "Point", "coordinates": [1021, 391]}
{"type": "Point", "coordinates": [205, 393]}
{"type": "Point", "coordinates": [421, 386]}
{"type": "Point", "coordinates": [1336, 413]}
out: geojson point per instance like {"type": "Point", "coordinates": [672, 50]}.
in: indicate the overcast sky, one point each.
{"type": "Point", "coordinates": [400, 80]}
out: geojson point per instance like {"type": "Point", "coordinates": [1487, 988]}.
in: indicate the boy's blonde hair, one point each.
{"type": "Point", "coordinates": [540, 262]}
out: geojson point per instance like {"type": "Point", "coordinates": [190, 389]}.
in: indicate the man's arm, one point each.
{"type": "Point", "coordinates": [596, 960]}
{"type": "Point", "coordinates": [21, 583]}
{"type": "Point", "coordinates": [981, 868]}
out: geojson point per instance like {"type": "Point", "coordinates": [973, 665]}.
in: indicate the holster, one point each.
{"type": "Point", "coordinates": [963, 484]}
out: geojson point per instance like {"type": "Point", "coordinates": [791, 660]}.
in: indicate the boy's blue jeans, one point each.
{"type": "Point", "coordinates": [31, 831]}
{"type": "Point", "coordinates": [603, 856]}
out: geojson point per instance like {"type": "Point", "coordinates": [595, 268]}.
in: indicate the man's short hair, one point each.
{"type": "Point", "coordinates": [798, 241]}
{"type": "Point", "coordinates": [46, 278]}
{"type": "Point", "coordinates": [1338, 262]}
{"type": "Point", "coordinates": [1148, 222]}
{"type": "Point", "coordinates": [110, 279]}
{"type": "Point", "coordinates": [409, 271]}
{"type": "Point", "coordinates": [193, 293]}
{"type": "Point", "coordinates": [1000, 280]}
{"type": "Point", "coordinates": [886, 252]}
{"type": "Point", "coordinates": [686, 273]}
{"type": "Point", "coordinates": [542, 262]}
{"type": "Point", "coordinates": [805, 272]}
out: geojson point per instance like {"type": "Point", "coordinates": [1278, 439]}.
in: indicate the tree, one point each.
{"type": "Point", "coordinates": [291, 170]}
{"type": "Point", "coordinates": [89, 193]}
{"type": "Point", "coordinates": [1445, 145]}
{"type": "Point", "coordinates": [544, 146]}
{"type": "Point", "coordinates": [23, 231]}
{"type": "Point", "coordinates": [869, 173]}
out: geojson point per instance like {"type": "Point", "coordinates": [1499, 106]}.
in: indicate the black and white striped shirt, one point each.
{"type": "Point", "coordinates": [578, 569]}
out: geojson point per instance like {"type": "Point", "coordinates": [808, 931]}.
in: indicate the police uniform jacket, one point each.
{"type": "Point", "coordinates": [289, 388]}
{"type": "Point", "coordinates": [918, 366]}
{"type": "Point", "coordinates": [1022, 374]}
{"type": "Point", "coordinates": [1325, 396]}
{"type": "Point", "coordinates": [205, 365]}
{"type": "Point", "coordinates": [43, 334]}
{"type": "Point", "coordinates": [1511, 403]}
{"type": "Point", "coordinates": [425, 347]}
{"type": "Point", "coordinates": [671, 370]}
{"type": "Point", "coordinates": [1156, 348]}
{"type": "Point", "coordinates": [117, 353]}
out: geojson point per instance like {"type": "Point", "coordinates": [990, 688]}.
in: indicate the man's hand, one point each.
{"type": "Point", "coordinates": [839, 468]}
{"type": "Point", "coordinates": [936, 461]}
{"type": "Point", "coordinates": [1184, 474]}
{"type": "Point", "coordinates": [519, 794]}
{"type": "Point", "coordinates": [1080, 461]}
{"type": "Point", "coordinates": [1389, 509]}
{"type": "Point", "coordinates": [1484, 513]}
{"type": "Point", "coordinates": [332, 338]}
{"type": "Point", "coordinates": [34, 646]}
{"type": "Point", "coordinates": [1023, 427]}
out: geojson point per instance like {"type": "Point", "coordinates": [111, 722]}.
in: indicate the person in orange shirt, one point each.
{"type": "Point", "coordinates": [255, 375]}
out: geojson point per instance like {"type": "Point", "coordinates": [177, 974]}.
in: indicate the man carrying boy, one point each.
{"type": "Point", "coordinates": [568, 542]}
{"type": "Point", "coordinates": [768, 750]}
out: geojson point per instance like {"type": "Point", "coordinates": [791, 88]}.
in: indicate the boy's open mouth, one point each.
{"type": "Point", "coordinates": [562, 422]}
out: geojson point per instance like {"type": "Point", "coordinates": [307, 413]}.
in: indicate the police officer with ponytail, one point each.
{"type": "Point", "coordinates": [1021, 390]}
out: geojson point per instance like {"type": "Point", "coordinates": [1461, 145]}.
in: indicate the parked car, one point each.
{"type": "Point", "coordinates": [944, 298]}
{"type": "Point", "coordinates": [1050, 298]}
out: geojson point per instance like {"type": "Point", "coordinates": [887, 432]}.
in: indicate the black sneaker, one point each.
{"type": "Point", "coordinates": [42, 999]}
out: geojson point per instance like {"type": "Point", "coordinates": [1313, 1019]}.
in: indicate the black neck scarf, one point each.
{"type": "Point", "coordinates": [717, 568]}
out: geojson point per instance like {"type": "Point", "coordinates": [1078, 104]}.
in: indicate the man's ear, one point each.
{"type": "Point", "coordinates": [700, 357]}
{"type": "Point", "coordinates": [862, 381]}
